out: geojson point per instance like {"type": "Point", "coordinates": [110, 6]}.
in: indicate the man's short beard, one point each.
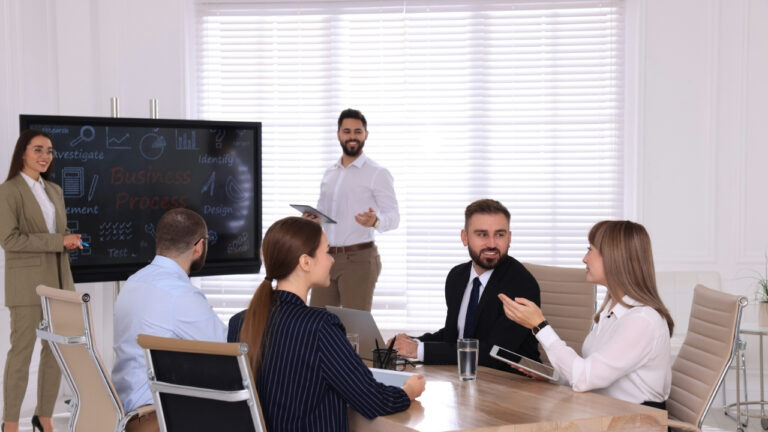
{"type": "Point", "coordinates": [353, 153]}
{"type": "Point", "coordinates": [198, 264]}
{"type": "Point", "coordinates": [478, 259]}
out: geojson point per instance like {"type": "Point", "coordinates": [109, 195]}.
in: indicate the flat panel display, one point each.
{"type": "Point", "coordinates": [119, 175]}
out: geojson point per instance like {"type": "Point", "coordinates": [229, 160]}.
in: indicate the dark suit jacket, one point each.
{"type": "Point", "coordinates": [33, 256]}
{"type": "Point", "coordinates": [492, 327]}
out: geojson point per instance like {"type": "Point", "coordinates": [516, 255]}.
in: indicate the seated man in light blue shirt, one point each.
{"type": "Point", "coordinates": [159, 300]}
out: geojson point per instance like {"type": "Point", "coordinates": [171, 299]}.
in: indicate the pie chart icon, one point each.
{"type": "Point", "coordinates": [152, 146]}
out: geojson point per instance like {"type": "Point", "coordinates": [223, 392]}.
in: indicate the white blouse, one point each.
{"type": "Point", "coordinates": [627, 355]}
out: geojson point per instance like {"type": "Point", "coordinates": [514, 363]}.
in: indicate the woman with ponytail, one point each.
{"type": "Point", "coordinates": [306, 371]}
{"type": "Point", "coordinates": [627, 353]}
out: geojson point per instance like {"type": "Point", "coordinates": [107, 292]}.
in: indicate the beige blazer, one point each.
{"type": "Point", "coordinates": [33, 256]}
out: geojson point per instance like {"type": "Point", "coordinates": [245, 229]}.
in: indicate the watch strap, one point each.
{"type": "Point", "coordinates": [540, 326]}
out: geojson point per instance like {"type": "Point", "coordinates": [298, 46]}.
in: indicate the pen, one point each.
{"type": "Point", "coordinates": [85, 244]}
{"type": "Point", "coordinates": [389, 353]}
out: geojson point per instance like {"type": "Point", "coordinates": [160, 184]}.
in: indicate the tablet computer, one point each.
{"type": "Point", "coordinates": [529, 365]}
{"type": "Point", "coordinates": [309, 209]}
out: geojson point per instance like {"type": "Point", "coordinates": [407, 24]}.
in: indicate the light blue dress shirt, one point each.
{"type": "Point", "coordinates": [158, 300]}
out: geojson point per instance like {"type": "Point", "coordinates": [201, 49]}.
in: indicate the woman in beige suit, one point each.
{"type": "Point", "coordinates": [34, 235]}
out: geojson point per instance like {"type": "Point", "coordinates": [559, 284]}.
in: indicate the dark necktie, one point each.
{"type": "Point", "coordinates": [469, 322]}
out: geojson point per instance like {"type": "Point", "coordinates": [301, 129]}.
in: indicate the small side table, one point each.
{"type": "Point", "coordinates": [754, 321]}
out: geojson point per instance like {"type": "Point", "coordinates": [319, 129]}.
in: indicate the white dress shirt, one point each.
{"type": "Point", "coordinates": [157, 300]}
{"type": "Point", "coordinates": [46, 206]}
{"type": "Point", "coordinates": [464, 303]}
{"type": "Point", "coordinates": [345, 192]}
{"type": "Point", "coordinates": [626, 355]}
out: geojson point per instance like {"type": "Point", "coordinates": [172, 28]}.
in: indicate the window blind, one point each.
{"type": "Point", "coordinates": [520, 101]}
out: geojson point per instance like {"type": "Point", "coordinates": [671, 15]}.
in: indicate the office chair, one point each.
{"type": "Point", "coordinates": [676, 291]}
{"type": "Point", "coordinates": [201, 386]}
{"type": "Point", "coordinates": [68, 328]}
{"type": "Point", "coordinates": [568, 302]}
{"type": "Point", "coordinates": [708, 350]}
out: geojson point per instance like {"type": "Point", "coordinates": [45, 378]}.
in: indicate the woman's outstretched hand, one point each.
{"type": "Point", "coordinates": [522, 311]}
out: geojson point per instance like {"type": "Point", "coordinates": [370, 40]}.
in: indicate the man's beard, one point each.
{"type": "Point", "coordinates": [198, 264]}
{"type": "Point", "coordinates": [348, 152]}
{"type": "Point", "coordinates": [486, 263]}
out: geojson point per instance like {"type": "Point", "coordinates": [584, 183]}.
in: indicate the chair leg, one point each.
{"type": "Point", "coordinates": [741, 363]}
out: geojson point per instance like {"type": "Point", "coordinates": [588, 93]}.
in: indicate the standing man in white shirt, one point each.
{"type": "Point", "coordinates": [159, 300]}
{"type": "Point", "coordinates": [359, 194]}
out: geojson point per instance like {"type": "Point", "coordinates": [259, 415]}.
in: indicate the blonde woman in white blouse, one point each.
{"type": "Point", "coordinates": [626, 355]}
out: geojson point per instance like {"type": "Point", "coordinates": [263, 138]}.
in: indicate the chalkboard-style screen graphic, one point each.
{"type": "Point", "coordinates": [120, 175]}
{"type": "Point", "coordinates": [72, 181]}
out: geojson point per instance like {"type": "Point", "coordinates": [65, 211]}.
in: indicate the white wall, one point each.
{"type": "Point", "coordinates": [702, 104]}
{"type": "Point", "coordinates": [697, 106]}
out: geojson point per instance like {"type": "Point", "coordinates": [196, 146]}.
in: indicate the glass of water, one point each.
{"type": "Point", "coordinates": [466, 350]}
{"type": "Point", "coordinates": [354, 339]}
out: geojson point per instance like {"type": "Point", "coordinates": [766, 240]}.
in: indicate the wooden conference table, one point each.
{"type": "Point", "coordinates": [501, 402]}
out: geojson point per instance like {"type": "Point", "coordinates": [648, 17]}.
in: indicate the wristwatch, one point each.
{"type": "Point", "coordinates": [538, 328]}
{"type": "Point", "coordinates": [376, 224]}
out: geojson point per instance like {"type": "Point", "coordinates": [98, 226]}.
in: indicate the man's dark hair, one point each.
{"type": "Point", "coordinates": [352, 114]}
{"type": "Point", "coordinates": [484, 206]}
{"type": "Point", "coordinates": [177, 232]}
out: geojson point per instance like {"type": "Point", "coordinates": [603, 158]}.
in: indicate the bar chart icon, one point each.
{"type": "Point", "coordinates": [187, 140]}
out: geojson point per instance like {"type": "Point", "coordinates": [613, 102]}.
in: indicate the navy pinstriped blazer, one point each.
{"type": "Point", "coordinates": [309, 372]}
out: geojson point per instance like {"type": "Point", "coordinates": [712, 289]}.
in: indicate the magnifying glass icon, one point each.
{"type": "Point", "coordinates": [87, 133]}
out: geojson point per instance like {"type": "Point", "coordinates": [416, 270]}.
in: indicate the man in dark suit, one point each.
{"type": "Point", "coordinates": [471, 294]}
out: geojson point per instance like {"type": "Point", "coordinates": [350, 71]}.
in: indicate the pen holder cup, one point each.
{"type": "Point", "coordinates": [383, 361]}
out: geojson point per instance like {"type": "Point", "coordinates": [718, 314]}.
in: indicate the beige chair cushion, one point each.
{"type": "Point", "coordinates": [705, 355]}
{"type": "Point", "coordinates": [568, 302]}
{"type": "Point", "coordinates": [676, 291]}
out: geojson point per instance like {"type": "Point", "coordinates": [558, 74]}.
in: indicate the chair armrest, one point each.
{"type": "Point", "coordinates": [143, 410]}
{"type": "Point", "coordinates": [138, 412]}
{"type": "Point", "coordinates": [677, 425]}
{"type": "Point", "coordinates": [59, 339]}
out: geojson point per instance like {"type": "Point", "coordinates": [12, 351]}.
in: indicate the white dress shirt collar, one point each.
{"type": "Point", "coordinates": [619, 309]}
{"type": "Point", "coordinates": [170, 265]}
{"type": "Point", "coordinates": [483, 277]}
{"type": "Point", "coordinates": [359, 162]}
{"type": "Point", "coordinates": [32, 182]}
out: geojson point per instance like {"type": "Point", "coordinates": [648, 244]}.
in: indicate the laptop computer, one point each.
{"type": "Point", "coordinates": [362, 323]}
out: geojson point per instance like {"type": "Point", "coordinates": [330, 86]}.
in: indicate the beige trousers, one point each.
{"type": "Point", "coordinates": [24, 321]}
{"type": "Point", "coordinates": [353, 278]}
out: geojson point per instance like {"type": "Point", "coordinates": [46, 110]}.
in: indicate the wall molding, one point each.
{"type": "Point", "coordinates": [743, 257]}
{"type": "Point", "coordinates": [710, 253]}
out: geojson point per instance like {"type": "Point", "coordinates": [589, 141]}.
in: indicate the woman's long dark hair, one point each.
{"type": "Point", "coordinates": [284, 243]}
{"type": "Point", "coordinates": [17, 162]}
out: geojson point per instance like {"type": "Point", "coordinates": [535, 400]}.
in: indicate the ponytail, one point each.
{"type": "Point", "coordinates": [255, 322]}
